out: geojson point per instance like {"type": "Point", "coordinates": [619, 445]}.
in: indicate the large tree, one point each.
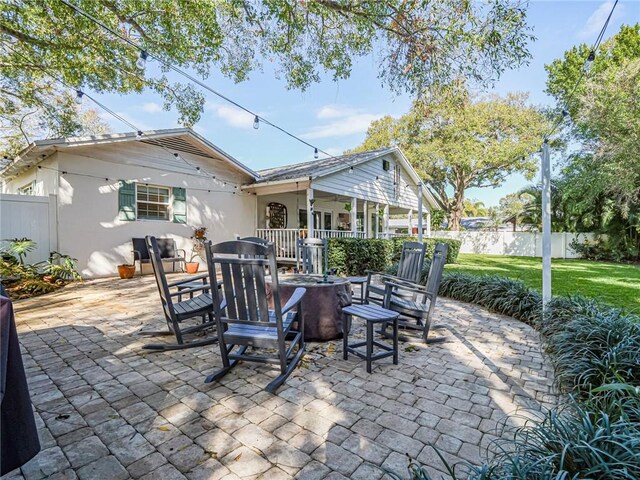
{"type": "Point", "coordinates": [422, 43]}
{"type": "Point", "coordinates": [461, 142]}
{"type": "Point", "coordinates": [601, 182]}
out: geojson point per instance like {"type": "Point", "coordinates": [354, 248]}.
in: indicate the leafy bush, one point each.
{"type": "Point", "coordinates": [595, 352]}
{"type": "Point", "coordinates": [354, 256]}
{"type": "Point", "coordinates": [27, 280]}
{"type": "Point", "coordinates": [610, 248]}
{"type": "Point", "coordinates": [452, 253]}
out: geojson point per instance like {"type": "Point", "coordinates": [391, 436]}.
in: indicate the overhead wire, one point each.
{"type": "Point", "coordinates": [149, 54]}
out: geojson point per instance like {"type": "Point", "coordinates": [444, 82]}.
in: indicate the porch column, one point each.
{"type": "Point", "coordinates": [420, 213]}
{"type": "Point", "coordinates": [354, 216]}
{"type": "Point", "coordinates": [310, 226]}
{"type": "Point", "coordinates": [428, 222]}
{"type": "Point", "coordinates": [385, 221]}
{"type": "Point", "coordinates": [410, 220]}
{"type": "Point", "coordinates": [377, 220]}
{"type": "Point", "coordinates": [365, 220]}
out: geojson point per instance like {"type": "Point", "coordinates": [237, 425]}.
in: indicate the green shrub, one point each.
{"type": "Point", "coordinates": [614, 249]}
{"type": "Point", "coordinates": [452, 253]}
{"type": "Point", "coordinates": [354, 256]}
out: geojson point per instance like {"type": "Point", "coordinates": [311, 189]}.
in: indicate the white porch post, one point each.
{"type": "Point", "coordinates": [386, 221]}
{"type": "Point", "coordinates": [365, 220]}
{"type": "Point", "coordinates": [428, 222]}
{"type": "Point", "coordinates": [420, 213]}
{"type": "Point", "coordinates": [377, 220]}
{"type": "Point", "coordinates": [410, 220]}
{"type": "Point", "coordinates": [310, 228]}
{"type": "Point", "coordinates": [354, 216]}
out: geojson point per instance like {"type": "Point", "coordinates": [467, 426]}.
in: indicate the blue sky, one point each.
{"type": "Point", "coordinates": [335, 116]}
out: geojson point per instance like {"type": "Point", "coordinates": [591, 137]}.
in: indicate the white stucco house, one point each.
{"type": "Point", "coordinates": [104, 190]}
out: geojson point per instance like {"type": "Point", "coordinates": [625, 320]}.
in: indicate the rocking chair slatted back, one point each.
{"type": "Point", "coordinates": [411, 261]}
{"type": "Point", "coordinates": [158, 269]}
{"type": "Point", "coordinates": [242, 266]}
{"type": "Point", "coordinates": [436, 269]}
{"type": "Point", "coordinates": [313, 255]}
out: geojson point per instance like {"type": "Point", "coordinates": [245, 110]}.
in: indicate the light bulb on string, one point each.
{"type": "Point", "coordinates": [79, 95]}
{"type": "Point", "coordinates": [589, 63]}
{"type": "Point", "coordinates": [565, 113]}
{"type": "Point", "coordinates": [315, 153]}
{"type": "Point", "coordinates": [256, 122]}
{"type": "Point", "coordinates": [139, 135]}
{"type": "Point", "coordinates": [350, 169]}
{"type": "Point", "coordinates": [142, 60]}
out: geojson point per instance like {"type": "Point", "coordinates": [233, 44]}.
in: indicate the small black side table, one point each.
{"type": "Point", "coordinates": [372, 314]}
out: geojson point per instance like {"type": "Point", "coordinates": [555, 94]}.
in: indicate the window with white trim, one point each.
{"type": "Point", "coordinates": [28, 189]}
{"type": "Point", "coordinates": [152, 202]}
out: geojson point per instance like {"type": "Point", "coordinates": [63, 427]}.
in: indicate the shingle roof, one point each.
{"type": "Point", "coordinates": [317, 168]}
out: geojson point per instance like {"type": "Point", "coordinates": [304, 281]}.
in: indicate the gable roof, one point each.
{"type": "Point", "coordinates": [319, 168]}
{"type": "Point", "coordinates": [174, 139]}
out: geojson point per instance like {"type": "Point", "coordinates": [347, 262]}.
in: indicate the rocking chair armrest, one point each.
{"type": "Point", "coordinates": [410, 287]}
{"type": "Point", "coordinates": [204, 286]}
{"type": "Point", "coordinates": [134, 255]}
{"type": "Point", "coordinates": [184, 253]}
{"type": "Point", "coordinates": [295, 299]}
{"type": "Point", "coordinates": [186, 280]}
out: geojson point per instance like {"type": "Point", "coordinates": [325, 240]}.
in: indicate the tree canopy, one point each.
{"type": "Point", "coordinates": [464, 142]}
{"type": "Point", "coordinates": [601, 182]}
{"type": "Point", "coordinates": [422, 44]}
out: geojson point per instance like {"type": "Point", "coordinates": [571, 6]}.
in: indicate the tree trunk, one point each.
{"type": "Point", "coordinates": [456, 210]}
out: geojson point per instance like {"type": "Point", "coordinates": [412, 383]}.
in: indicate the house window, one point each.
{"type": "Point", "coordinates": [28, 189]}
{"type": "Point", "coordinates": [152, 202]}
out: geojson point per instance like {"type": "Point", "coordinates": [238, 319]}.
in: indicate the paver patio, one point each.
{"type": "Point", "coordinates": [106, 409]}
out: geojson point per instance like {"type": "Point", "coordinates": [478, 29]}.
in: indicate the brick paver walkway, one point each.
{"type": "Point", "coordinates": [107, 409]}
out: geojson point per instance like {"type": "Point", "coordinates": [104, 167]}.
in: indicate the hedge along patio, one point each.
{"type": "Point", "coordinates": [354, 256]}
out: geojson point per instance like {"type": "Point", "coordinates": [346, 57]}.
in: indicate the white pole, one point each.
{"type": "Point", "coordinates": [310, 214]}
{"type": "Point", "coordinates": [546, 226]}
{"type": "Point", "coordinates": [419, 191]}
{"type": "Point", "coordinates": [354, 216]}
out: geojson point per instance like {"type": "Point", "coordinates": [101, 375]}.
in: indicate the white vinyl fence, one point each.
{"type": "Point", "coordinates": [523, 244]}
{"type": "Point", "coordinates": [31, 217]}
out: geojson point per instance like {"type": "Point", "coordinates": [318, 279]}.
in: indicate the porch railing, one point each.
{"type": "Point", "coordinates": [285, 239]}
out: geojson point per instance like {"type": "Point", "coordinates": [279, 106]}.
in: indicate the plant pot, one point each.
{"type": "Point", "coordinates": [126, 271]}
{"type": "Point", "coordinates": [191, 267]}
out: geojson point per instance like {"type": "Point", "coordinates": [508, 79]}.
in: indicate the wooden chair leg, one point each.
{"type": "Point", "coordinates": [395, 341]}
{"type": "Point", "coordinates": [280, 379]}
{"type": "Point", "coordinates": [345, 337]}
{"type": "Point", "coordinates": [369, 345]}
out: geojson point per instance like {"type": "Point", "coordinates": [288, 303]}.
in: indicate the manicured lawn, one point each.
{"type": "Point", "coordinates": [612, 283]}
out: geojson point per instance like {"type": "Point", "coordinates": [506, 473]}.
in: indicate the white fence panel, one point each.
{"type": "Point", "coordinates": [32, 217]}
{"type": "Point", "coordinates": [521, 244]}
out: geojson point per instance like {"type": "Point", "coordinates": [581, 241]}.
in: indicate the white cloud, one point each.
{"type": "Point", "coordinates": [349, 124]}
{"type": "Point", "coordinates": [234, 116]}
{"type": "Point", "coordinates": [152, 107]}
{"type": "Point", "coordinates": [595, 22]}
{"type": "Point", "coordinates": [335, 111]}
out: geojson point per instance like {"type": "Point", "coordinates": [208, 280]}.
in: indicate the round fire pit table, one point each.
{"type": "Point", "coordinates": [321, 305]}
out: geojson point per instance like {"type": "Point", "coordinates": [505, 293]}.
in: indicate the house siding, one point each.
{"type": "Point", "coordinates": [362, 184]}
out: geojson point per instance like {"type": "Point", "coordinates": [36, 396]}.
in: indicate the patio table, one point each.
{"type": "Point", "coordinates": [321, 306]}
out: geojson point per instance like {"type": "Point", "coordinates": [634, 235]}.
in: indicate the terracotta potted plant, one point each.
{"type": "Point", "coordinates": [199, 238]}
{"type": "Point", "coordinates": [126, 270]}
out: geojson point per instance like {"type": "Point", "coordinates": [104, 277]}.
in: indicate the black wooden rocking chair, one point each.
{"type": "Point", "coordinates": [409, 270]}
{"type": "Point", "coordinates": [176, 312]}
{"type": "Point", "coordinates": [247, 320]}
{"type": "Point", "coordinates": [416, 302]}
{"type": "Point", "coordinates": [313, 256]}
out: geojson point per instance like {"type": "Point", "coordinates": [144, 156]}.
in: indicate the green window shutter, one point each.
{"type": "Point", "coordinates": [179, 205]}
{"type": "Point", "coordinates": [127, 200]}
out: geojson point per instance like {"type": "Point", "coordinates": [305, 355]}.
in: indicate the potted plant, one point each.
{"type": "Point", "coordinates": [126, 270]}
{"type": "Point", "coordinates": [199, 238]}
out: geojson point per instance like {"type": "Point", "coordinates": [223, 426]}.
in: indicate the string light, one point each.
{"type": "Point", "coordinates": [565, 112]}
{"type": "Point", "coordinates": [256, 123]}
{"type": "Point", "coordinates": [142, 60]}
{"type": "Point", "coordinates": [350, 169]}
{"type": "Point", "coordinates": [315, 154]}
{"type": "Point", "coordinates": [139, 135]}
{"type": "Point", "coordinates": [590, 59]}
{"type": "Point", "coordinates": [79, 95]}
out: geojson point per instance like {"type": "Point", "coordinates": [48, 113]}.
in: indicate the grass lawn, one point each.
{"type": "Point", "coordinates": [612, 283]}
